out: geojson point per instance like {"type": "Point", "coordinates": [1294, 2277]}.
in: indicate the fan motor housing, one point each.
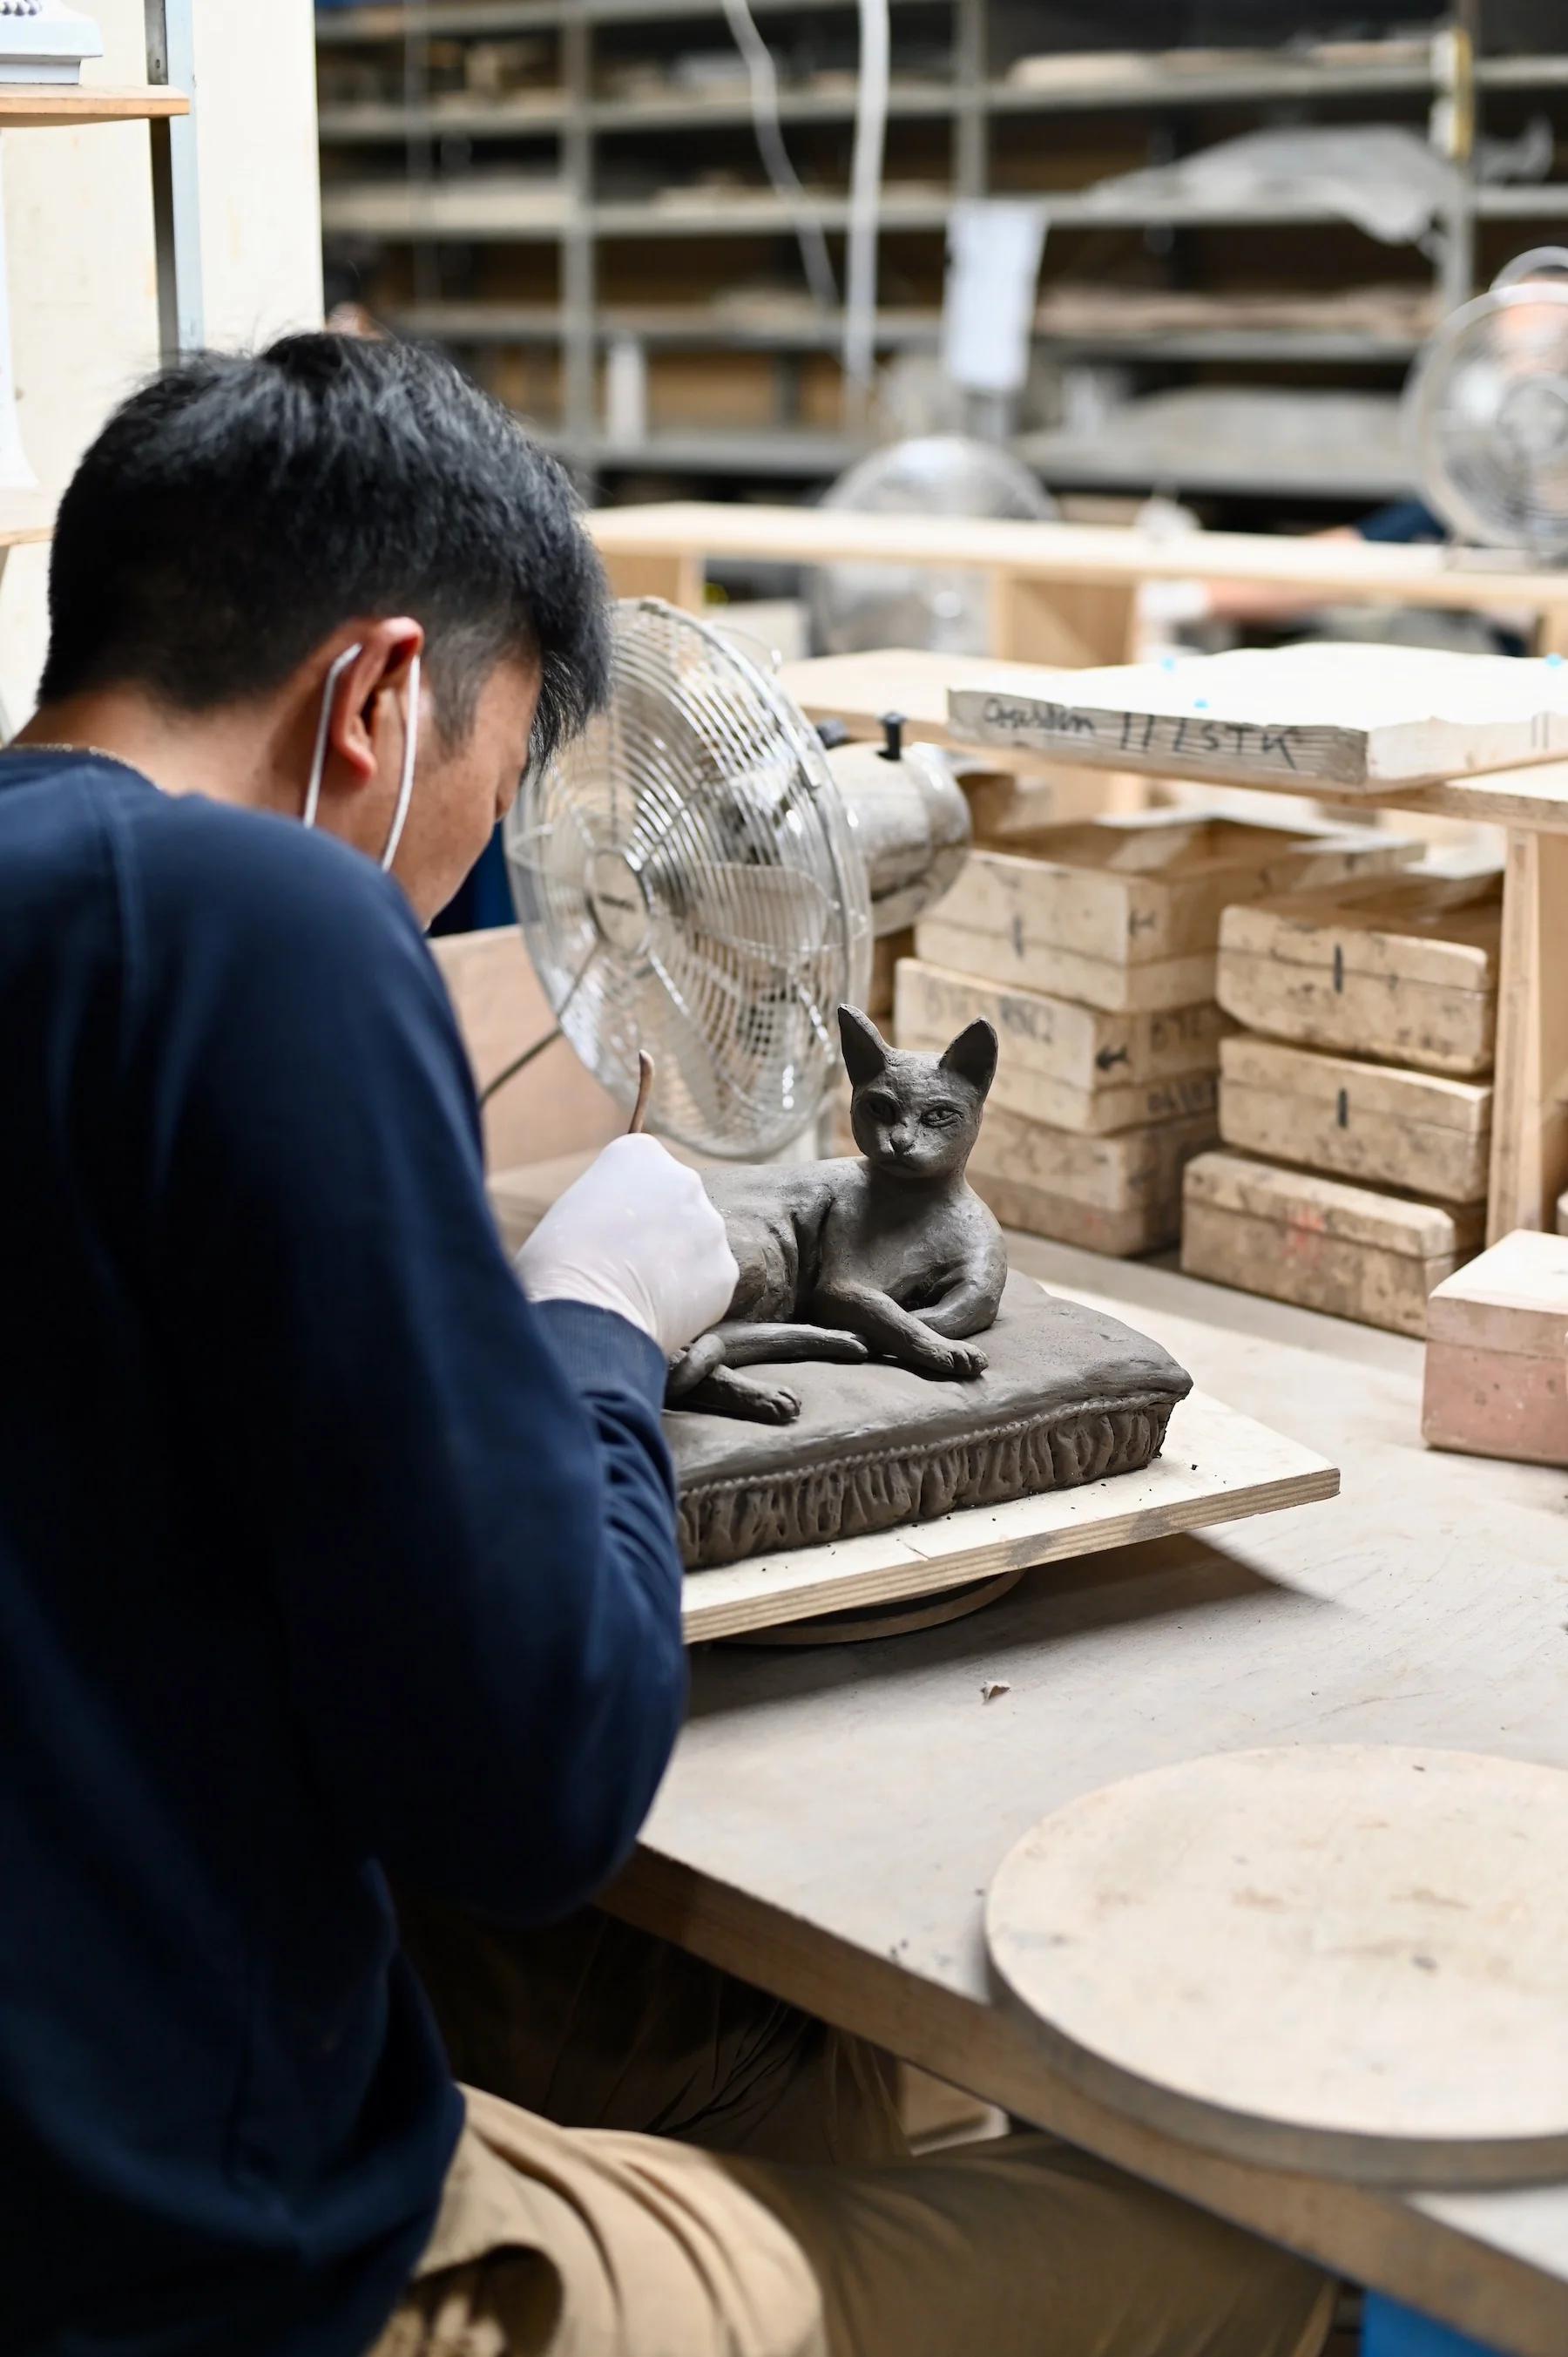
{"type": "Point", "coordinates": [618, 901]}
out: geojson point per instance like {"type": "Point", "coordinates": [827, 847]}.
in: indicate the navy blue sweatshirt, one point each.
{"type": "Point", "coordinates": [321, 1553]}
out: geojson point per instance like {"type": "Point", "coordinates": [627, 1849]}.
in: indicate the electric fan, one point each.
{"type": "Point", "coordinates": [1487, 411]}
{"type": "Point", "coordinates": [857, 606]}
{"type": "Point", "coordinates": [699, 878]}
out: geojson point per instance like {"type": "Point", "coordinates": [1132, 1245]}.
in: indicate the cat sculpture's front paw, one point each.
{"type": "Point", "coordinates": [961, 1364]}
{"type": "Point", "coordinates": [772, 1403]}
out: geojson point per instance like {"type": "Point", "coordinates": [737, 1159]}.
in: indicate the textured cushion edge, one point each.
{"type": "Point", "coordinates": [728, 1519]}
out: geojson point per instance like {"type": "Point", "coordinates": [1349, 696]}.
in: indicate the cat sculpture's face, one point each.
{"type": "Point", "coordinates": [914, 1116]}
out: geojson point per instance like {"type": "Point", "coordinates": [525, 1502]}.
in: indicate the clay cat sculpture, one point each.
{"type": "Point", "coordinates": [890, 1257]}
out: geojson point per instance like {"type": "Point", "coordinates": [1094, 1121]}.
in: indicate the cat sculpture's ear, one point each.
{"type": "Point", "coordinates": [973, 1056]}
{"type": "Point", "coordinates": [865, 1050]}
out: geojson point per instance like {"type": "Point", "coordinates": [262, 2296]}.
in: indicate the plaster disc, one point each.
{"type": "Point", "coordinates": [860, 1624]}
{"type": "Point", "coordinates": [1347, 1959]}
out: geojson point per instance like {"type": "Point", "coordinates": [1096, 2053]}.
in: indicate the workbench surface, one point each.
{"type": "Point", "coordinates": [834, 1816]}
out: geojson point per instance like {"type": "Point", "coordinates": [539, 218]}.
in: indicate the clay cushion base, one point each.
{"type": "Point", "coordinates": [1069, 1396]}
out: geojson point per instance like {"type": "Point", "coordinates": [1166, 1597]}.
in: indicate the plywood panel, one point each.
{"type": "Point", "coordinates": [1218, 1466]}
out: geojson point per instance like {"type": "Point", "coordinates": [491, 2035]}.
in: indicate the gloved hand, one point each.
{"type": "Point", "coordinates": [635, 1234]}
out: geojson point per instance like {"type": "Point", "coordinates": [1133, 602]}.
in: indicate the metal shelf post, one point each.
{"type": "Point", "coordinates": [177, 202]}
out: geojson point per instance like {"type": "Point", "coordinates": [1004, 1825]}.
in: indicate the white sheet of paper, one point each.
{"type": "Point", "coordinates": [994, 260]}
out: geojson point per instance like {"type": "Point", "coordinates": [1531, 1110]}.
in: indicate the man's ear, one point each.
{"type": "Point", "coordinates": [370, 695]}
{"type": "Point", "coordinates": [973, 1056]}
{"type": "Point", "coordinates": [865, 1050]}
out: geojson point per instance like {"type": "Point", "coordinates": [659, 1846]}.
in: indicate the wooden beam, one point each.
{"type": "Point", "coordinates": [1529, 1131]}
{"type": "Point", "coordinates": [677, 577]}
{"type": "Point", "coordinates": [1323, 571]}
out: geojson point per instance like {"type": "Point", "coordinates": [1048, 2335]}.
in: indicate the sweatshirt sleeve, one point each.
{"type": "Point", "coordinates": [464, 1505]}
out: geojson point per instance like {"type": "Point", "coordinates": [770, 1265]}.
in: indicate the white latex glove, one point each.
{"type": "Point", "coordinates": [635, 1234]}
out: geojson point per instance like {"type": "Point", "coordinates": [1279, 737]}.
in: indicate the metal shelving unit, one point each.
{"type": "Point", "coordinates": [576, 131]}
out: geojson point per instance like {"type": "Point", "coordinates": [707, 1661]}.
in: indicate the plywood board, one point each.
{"type": "Point", "coordinates": [1350, 1252]}
{"type": "Point", "coordinates": [1359, 1970]}
{"type": "Point", "coordinates": [1218, 1466]}
{"type": "Point", "coordinates": [1071, 1066]}
{"type": "Point", "coordinates": [859, 690]}
{"type": "Point", "coordinates": [857, 687]}
{"type": "Point", "coordinates": [1352, 716]}
{"type": "Point", "coordinates": [1402, 968]}
{"type": "Point", "coordinates": [1384, 1123]}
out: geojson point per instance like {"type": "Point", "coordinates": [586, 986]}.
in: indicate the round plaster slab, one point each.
{"type": "Point", "coordinates": [1352, 1960]}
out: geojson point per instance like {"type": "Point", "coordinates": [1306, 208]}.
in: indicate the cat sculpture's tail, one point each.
{"type": "Point", "coordinates": [702, 1377]}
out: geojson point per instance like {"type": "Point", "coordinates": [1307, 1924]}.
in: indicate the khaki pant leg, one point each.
{"type": "Point", "coordinates": [559, 2244]}
{"type": "Point", "coordinates": [554, 2243]}
{"type": "Point", "coordinates": [593, 2025]}
{"type": "Point", "coordinates": [1026, 2247]}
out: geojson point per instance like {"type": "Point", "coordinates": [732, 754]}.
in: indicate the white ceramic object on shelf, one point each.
{"type": "Point", "coordinates": [43, 40]}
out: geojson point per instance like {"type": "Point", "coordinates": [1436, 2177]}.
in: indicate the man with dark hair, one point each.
{"type": "Point", "coordinates": [327, 1550]}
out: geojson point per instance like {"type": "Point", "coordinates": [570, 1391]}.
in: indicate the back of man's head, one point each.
{"type": "Point", "coordinates": [237, 509]}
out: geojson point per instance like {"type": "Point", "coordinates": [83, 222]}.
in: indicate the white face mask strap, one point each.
{"type": "Point", "coordinates": [318, 759]}
{"type": "Point", "coordinates": [405, 784]}
{"type": "Point", "coordinates": [410, 750]}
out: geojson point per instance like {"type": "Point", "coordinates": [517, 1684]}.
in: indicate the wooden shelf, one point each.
{"type": "Point", "coordinates": [24, 516]}
{"type": "Point", "coordinates": [40, 106]}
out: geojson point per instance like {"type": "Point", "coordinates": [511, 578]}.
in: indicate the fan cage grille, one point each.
{"type": "Point", "coordinates": [688, 882]}
{"type": "Point", "coordinates": [1486, 414]}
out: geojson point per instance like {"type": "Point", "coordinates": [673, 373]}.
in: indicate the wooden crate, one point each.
{"type": "Point", "coordinates": [1496, 1353]}
{"type": "Point", "coordinates": [1401, 967]}
{"type": "Point", "coordinates": [1320, 1243]}
{"type": "Point", "coordinates": [1124, 913]}
{"type": "Point", "coordinates": [1117, 1195]}
{"type": "Point", "coordinates": [1381, 1123]}
{"type": "Point", "coordinates": [1074, 1067]}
